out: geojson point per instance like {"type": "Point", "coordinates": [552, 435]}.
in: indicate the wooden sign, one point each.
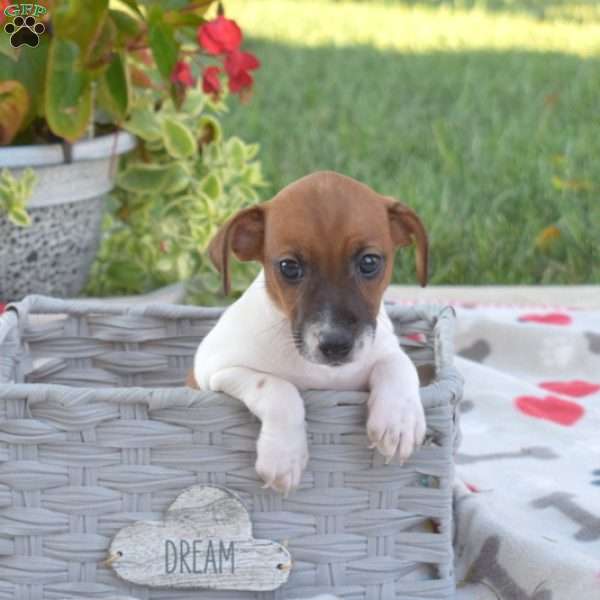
{"type": "Point", "coordinates": [205, 541]}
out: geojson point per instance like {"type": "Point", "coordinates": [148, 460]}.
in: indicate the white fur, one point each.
{"type": "Point", "coordinates": [250, 354]}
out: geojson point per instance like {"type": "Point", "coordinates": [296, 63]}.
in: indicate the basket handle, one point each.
{"type": "Point", "coordinates": [440, 318]}
{"type": "Point", "coordinates": [48, 305]}
{"type": "Point", "coordinates": [10, 345]}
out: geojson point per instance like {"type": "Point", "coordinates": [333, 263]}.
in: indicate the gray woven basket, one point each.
{"type": "Point", "coordinates": [96, 432]}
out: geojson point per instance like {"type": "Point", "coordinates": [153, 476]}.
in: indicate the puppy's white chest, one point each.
{"type": "Point", "coordinates": [254, 334]}
{"type": "Point", "coordinates": [354, 376]}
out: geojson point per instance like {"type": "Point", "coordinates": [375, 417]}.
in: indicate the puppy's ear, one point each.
{"type": "Point", "coordinates": [406, 227]}
{"type": "Point", "coordinates": [243, 235]}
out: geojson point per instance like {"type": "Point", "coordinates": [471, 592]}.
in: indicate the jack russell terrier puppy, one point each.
{"type": "Point", "coordinates": [314, 318]}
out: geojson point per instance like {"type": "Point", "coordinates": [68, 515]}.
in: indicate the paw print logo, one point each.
{"type": "Point", "coordinates": [24, 32]}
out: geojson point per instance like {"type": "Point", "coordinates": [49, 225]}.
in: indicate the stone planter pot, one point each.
{"type": "Point", "coordinates": [53, 256]}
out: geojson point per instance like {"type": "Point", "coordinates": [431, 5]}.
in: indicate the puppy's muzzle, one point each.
{"type": "Point", "coordinates": [335, 345]}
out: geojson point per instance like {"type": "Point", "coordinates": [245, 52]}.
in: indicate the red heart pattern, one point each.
{"type": "Point", "coordinates": [416, 337]}
{"type": "Point", "coordinates": [547, 318]}
{"type": "Point", "coordinates": [575, 388]}
{"type": "Point", "coordinates": [550, 408]}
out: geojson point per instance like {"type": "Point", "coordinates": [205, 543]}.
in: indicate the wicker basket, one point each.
{"type": "Point", "coordinates": [96, 432]}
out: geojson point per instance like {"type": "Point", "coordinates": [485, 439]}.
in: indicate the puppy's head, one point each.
{"type": "Point", "coordinates": [327, 245]}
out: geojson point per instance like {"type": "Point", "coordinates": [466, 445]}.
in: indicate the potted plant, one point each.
{"type": "Point", "coordinates": [70, 71]}
{"type": "Point", "coordinates": [186, 176]}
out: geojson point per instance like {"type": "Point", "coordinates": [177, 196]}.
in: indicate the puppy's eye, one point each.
{"type": "Point", "coordinates": [369, 265]}
{"type": "Point", "coordinates": [291, 269]}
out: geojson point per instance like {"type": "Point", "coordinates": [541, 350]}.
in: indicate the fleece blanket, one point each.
{"type": "Point", "coordinates": [527, 495]}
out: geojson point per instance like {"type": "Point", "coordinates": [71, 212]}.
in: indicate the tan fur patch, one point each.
{"type": "Point", "coordinates": [190, 381]}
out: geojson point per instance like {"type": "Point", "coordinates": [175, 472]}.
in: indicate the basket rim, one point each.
{"type": "Point", "coordinates": [444, 390]}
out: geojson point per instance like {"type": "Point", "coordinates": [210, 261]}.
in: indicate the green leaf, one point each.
{"type": "Point", "coordinates": [177, 18]}
{"type": "Point", "coordinates": [14, 103]}
{"type": "Point", "coordinates": [125, 274]}
{"type": "Point", "coordinates": [100, 50]}
{"type": "Point", "coordinates": [14, 193]}
{"type": "Point", "coordinates": [212, 155]}
{"type": "Point", "coordinates": [184, 267]}
{"type": "Point", "coordinates": [28, 65]}
{"type": "Point", "coordinates": [178, 139]}
{"type": "Point", "coordinates": [145, 124]}
{"type": "Point", "coordinates": [251, 150]}
{"type": "Point", "coordinates": [164, 264]}
{"type": "Point", "coordinates": [113, 91]}
{"type": "Point", "coordinates": [177, 179]}
{"type": "Point", "coordinates": [209, 129]}
{"type": "Point", "coordinates": [6, 49]}
{"type": "Point", "coordinates": [19, 216]}
{"type": "Point", "coordinates": [80, 21]}
{"type": "Point", "coordinates": [162, 43]}
{"type": "Point", "coordinates": [194, 103]}
{"type": "Point", "coordinates": [236, 153]}
{"type": "Point", "coordinates": [32, 73]}
{"type": "Point", "coordinates": [248, 193]}
{"type": "Point", "coordinates": [144, 178]}
{"type": "Point", "coordinates": [252, 175]}
{"type": "Point", "coordinates": [132, 4]}
{"type": "Point", "coordinates": [68, 91]}
{"type": "Point", "coordinates": [127, 26]}
{"type": "Point", "coordinates": [169, 4]}
{"type": "Point", "coordinates": [155, 147]}
{"type": "Point", "coordinates": [211, 186]}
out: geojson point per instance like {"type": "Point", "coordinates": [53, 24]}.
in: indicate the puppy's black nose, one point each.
{"type": "Point", "coordinates": [336, 345]}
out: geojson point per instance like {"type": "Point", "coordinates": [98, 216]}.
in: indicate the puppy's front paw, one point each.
{"type": "Point", "coordinates": [282, 457]}
{"type": "Point", "coordinates": [396, 424]}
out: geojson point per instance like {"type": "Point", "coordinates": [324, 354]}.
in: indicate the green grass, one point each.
{"type": "Point", "coordinates": [484, 116]}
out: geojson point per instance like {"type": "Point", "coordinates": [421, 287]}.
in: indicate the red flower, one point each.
{"type": "Point", "coordinates": [211, 84]}
{"type": "Point", "coordinates": [243, 81]}
{"type": "Point", "coordinates": [4, 4]}
{"type": "Point", "coordinates": [2, 307]}
{"type": "Point", "coordinates": [237, 65]}
{"type": "Point", "coordinates": [182, 73]}
{"type": "Point", "coordinates": [220, 36]}
{"type": "Point", "coordinates": [237, 61]}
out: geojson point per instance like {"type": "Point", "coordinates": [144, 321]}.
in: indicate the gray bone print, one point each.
{"type": "Point", "coordinates": [539, 452]}
{"type": "Point", "coordinates": [589, 524]}
{"type": "Point", "coordinates": [478, 351]}
{"type": "Point", "coordinates": [486, 568]}
{"type": "Point", "coordinates": [593, 342]}
{"type": "Point", "coordinates": [466, 406]}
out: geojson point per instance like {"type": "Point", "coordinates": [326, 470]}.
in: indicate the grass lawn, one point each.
{"type": "Point", "coordinates": [484, 116]}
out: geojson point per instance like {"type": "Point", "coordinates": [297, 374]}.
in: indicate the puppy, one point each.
{"type": "Point", "coordinates": [314, 317]}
